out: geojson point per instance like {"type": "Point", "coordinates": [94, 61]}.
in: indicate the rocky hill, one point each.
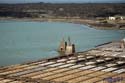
{"type": "Point", "coordinates": [47, 10]}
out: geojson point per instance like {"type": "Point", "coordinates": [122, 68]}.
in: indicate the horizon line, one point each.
{"type": "Point", "coordinates": [58, 2]}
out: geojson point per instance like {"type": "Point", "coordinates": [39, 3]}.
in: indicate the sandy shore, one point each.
{"type": "Point", "coordinates": [91, 23]}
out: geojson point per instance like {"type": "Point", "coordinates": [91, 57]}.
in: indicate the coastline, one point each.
{"type": "Point", "coordinates": [96, 63]}
{"type": "Point", "coordinates": [92, 23]}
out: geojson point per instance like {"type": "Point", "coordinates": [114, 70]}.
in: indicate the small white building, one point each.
{"type": "Point", "coordinates": [112, 18]}
{"type": "Point", "coordinates": [116, 18]}
{"type": "Point", "coordinates": [121, 18]}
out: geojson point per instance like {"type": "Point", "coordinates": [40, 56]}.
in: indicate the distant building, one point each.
{"type": "Point", "coordinates": [121, 18]}
{"type": "Point", "coordinates": [116, 18]}
{"type": "Point", "coordinates": [112, 18]}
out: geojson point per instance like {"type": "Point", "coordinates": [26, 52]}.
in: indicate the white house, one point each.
{"type": "Point", "coordinates": [121, 18]}
{"type": "Point", "coordinates": [116, 18]}
{"type": "Point", "coordinates": [112, 18]}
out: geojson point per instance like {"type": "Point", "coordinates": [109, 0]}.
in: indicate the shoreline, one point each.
{"type": "Point", "coordinates": [104, 61]}
{"type": "Point", "coordinates": [88, 22]}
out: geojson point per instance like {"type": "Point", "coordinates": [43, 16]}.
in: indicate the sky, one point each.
{"type": "Point", "coordinates": [63, 1]}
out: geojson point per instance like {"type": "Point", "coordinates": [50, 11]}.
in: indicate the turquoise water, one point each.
{"type": "Point", "coordinates": [26, 41]}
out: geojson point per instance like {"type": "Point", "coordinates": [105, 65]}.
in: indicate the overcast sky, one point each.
{"type": "Point", "coordinates": [61, 1]}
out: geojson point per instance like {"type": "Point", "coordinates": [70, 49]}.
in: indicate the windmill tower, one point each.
{"type": "Point", "coordinates": [70, 48]}
{"type": "Point", "coordinates": [66, 48]}
{"type": "Point", "coordinates": [62, 46]}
